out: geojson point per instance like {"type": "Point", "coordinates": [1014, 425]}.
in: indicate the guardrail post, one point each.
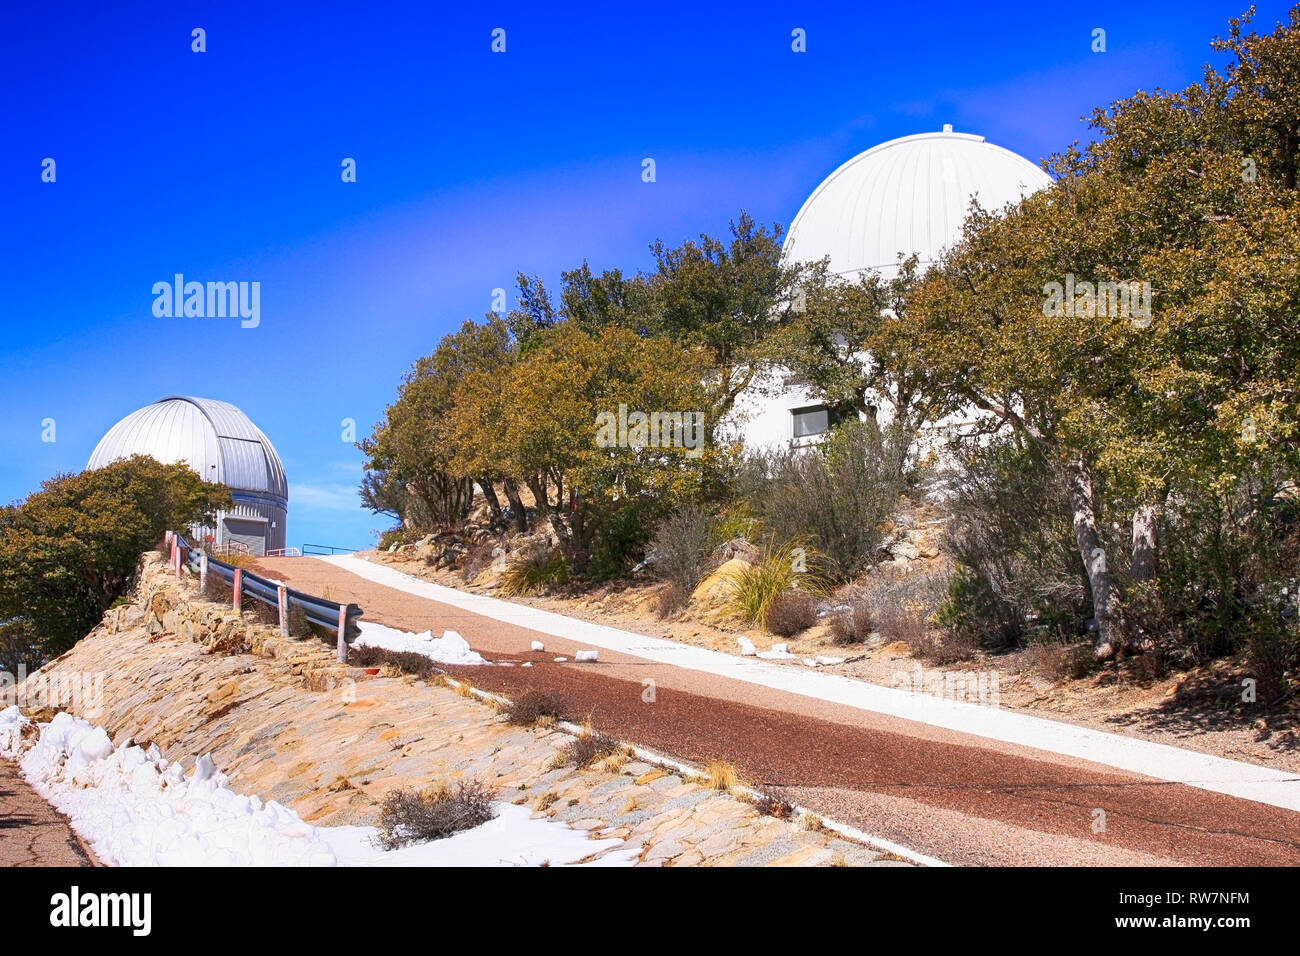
{"type": "Point", "coordinates": [283, 594]}
{"type": "Point", "coordinates": [343, 630]}
{"type": "Point", "coordinates": [238, 588]}
{"type": "Point", "coordinates": [177, 560]}
{"type": "Point", "coordinates": [167, 539]}
{"type": "Point", "coordinates": [203, 572]}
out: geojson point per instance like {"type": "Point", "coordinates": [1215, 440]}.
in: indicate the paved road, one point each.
{"type": "Point", "coordinates": [33, 833]}
{"type": "Point", "coordinates": [958, 797]}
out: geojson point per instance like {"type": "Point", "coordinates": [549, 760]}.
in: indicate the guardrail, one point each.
{"type": "Point", "coordinates": [326, 549]}
{"type": "Point", "coordinates": [343, 619]}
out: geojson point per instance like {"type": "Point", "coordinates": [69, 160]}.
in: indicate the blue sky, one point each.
{"type": "Point", "coordinates": [471, 166]}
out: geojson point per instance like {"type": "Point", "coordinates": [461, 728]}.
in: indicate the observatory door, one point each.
{"type": "Point", "coordinates": [247, 531]}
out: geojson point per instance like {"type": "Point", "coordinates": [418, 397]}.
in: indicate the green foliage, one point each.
{"type": "Point", "coordinates": [1009, 531]}
{"type": "Point", "coordinates": [70, 549]}
{"type": "Point", "coordinates": [534, 572]}
{"type": "Point", "coordinates": [398, 536]}
{"type": "Point", "coordinates": [752, 590]}
{"type": "Point", "coordinates": [1194, 192]}
{"type": "Point", "coordinates": [415, 467]}
{"type": "Point", "coordinates": [679, 549]}
{"type": "Point", "coordinates": [834, 496]}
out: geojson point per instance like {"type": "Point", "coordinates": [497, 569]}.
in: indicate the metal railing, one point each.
{"type": "Point", "coordinates": [326, 549]}
{"type": "Point", "coordinates": [284, 553]}
{"type": "Point", "coordinates": [342, 619]}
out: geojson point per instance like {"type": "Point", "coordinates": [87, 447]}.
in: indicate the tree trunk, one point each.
{"type": "Point", "coordinates": [1146, 542]}
{"type": "Point", "coordinates": [490, 496]}
{"type": "Point", "coordinates": [520, 516]}
{"type": "Point", "coordinates": [1105, 598]}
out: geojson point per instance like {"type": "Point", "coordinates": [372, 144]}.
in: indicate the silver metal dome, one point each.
{"type": "Point", "coordinates": [908, 195]}
{"type": "Point", "coordinates": [221, 444]}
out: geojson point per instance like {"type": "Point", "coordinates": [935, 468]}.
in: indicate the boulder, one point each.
{"type": "Point", "coordinates": [711, 596]}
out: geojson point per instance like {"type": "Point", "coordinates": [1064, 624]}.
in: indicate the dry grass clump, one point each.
{"type": "Point", "coordinates": [720, 775]}
{"type": "Point", "coordinates": [409, 816]}
{"type": "Point", "coordinates": [408, 662]}
{"type": "Point", "coordinates": [535, 707]}
{"type": "Point", "coordinates": [589, 747]}
{"type": "Point", "coordinates": [1058, 661]}
{"type": "Point", "coordinates": [752, 591]}
{"type": "Point", "coordinates": [534, 572]}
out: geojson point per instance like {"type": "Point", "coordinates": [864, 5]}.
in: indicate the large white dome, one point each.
{"type": "Point", "coordinates": [221, 444]}
{"type": "Point", "coordinates": [909, 195]}
{"type": "Point", "coordinates": [215, 438]}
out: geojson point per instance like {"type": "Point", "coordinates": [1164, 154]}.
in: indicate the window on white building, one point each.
{"type": "Point", "coordinates": [811, 421]}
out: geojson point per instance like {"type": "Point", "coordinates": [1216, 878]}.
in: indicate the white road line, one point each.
{"type": "Point", "coordinates": [1160, 761]}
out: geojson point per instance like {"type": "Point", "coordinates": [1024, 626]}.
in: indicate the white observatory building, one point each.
{"type": "Point", "coordinates": [221, 444]}
{"type": "Point", "coordinates": [906, 196]}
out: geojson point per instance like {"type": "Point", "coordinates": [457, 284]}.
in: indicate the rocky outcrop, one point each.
{"type": "Point", "coordinates": [285, 721]}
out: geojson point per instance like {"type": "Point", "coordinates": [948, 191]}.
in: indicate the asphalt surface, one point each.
{"type": "Point", "coordinates": [964, 799]}
{"type": "Point", "coordinates": [33, 833]}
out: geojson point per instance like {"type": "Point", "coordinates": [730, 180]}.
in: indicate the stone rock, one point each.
{"type": "Point", "coordinates": [711, 596]}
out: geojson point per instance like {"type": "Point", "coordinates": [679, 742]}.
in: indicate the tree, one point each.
{"type": "Point", "coordinates": [547, 430]}
{"type": "Point", "coordinates": [415, 448]}
{"type": "Point", "coordinates": [854, 343]}
{"type": "Point", "coordinates": [1167, 401]}
{"type": "Point", "coordinates": [71, 549]}
{"type": "Point", "coordinates": [724, 298]}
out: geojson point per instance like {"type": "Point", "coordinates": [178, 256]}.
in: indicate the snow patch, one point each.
{"type": "Point", "coordinates": [451, 648]}
{"type": "Point", "coordinates": [135, 808]}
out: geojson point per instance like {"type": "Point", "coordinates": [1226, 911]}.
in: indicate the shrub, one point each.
{"type": "Point", "coordinates": [1058, 661]}
{"type": "Point", "coordinates": [590, 746]}
{"type": "Point", "coordinates": [835, 497]}
{"type": "Point", "coordinates": [852, 626]}
{"type": "Point", "coordinates": [73, 546]}
{"type": "Point", "coordinates": [398, 536]}
{"type": "Point", "coordinates": [669, 599]}
{"type": "Point", "coordinates": [481, 555]}
{"type": "Point", "coordinates": [19, 649]}
{"type": "Point", "coordinates": [533, 706]}
{"type": "Point", "coordinates": [408, 662]}
{"type": "Point", "coordinates": [216, 589]}
{"type": "Point", "coordinates": [299, 626]}
{"type": "Point", "coordinates": [679, 549]}
{"type": "Point", "coordinates": [262, 613]}
{"type": "Point", "coordinates": [750, 592]}
{"type": "Point", "coordinates": [408, 816]}
{"type": "Point", "coordinates": [773, 806]}
{"type": "Point", "coordinates": [737, 522]}
{"type": "Point", "coordinates": [1018, 564]}
{"type": "Point", "coordinates": [535, 571]}
{"type": "Point", "coordinates": [902, 604]}
{"type": "Point", "coordinates": [791, 612]}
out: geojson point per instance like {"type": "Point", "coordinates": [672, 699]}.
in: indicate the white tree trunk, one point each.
{"type": "Point", "coordinates": [1105, 599]}
{"type": "Point", "coordinates": [1146, 542]}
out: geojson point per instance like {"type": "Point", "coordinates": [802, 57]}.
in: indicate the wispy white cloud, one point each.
{"type": "Point", "coordinates": [334, 496]}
